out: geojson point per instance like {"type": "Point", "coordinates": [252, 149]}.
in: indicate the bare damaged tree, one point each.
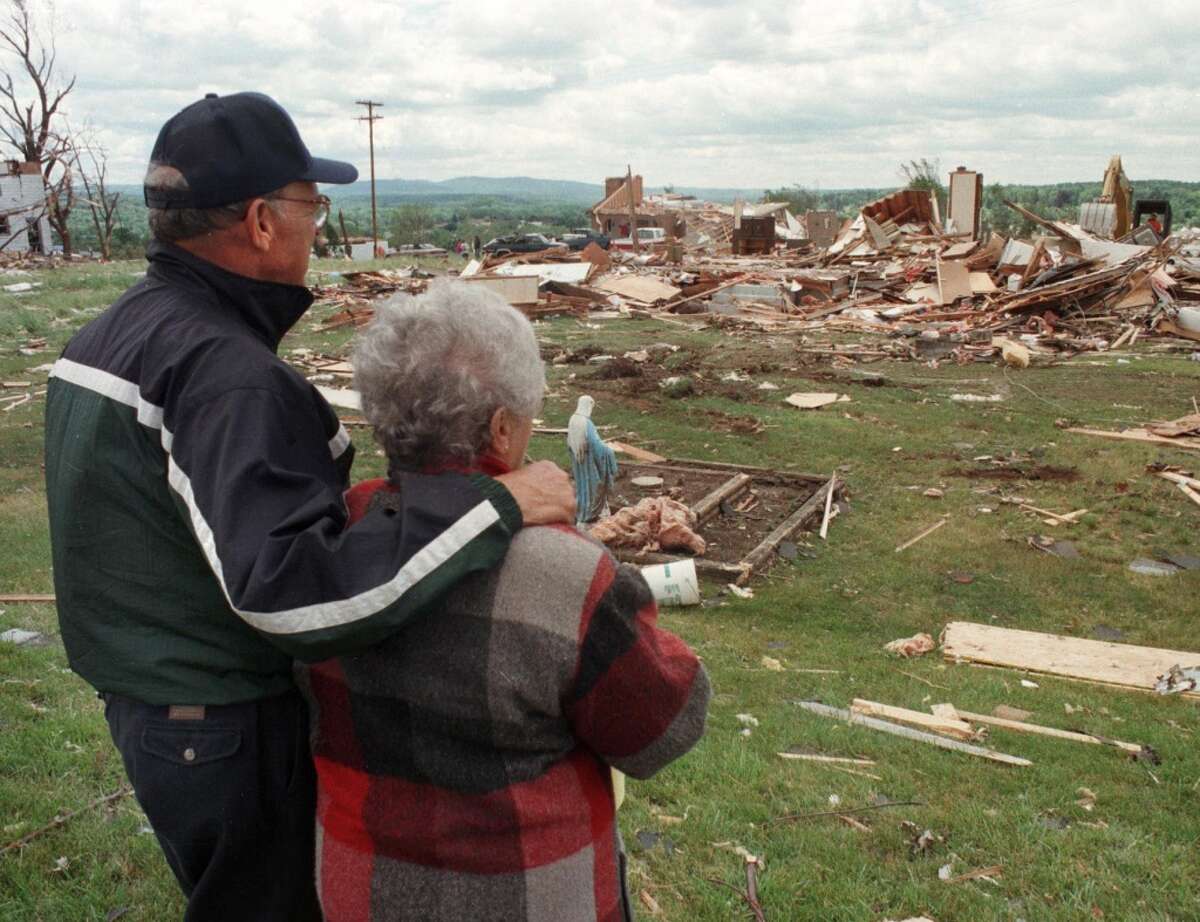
{"type": "Point", "coordinates": [30, 128]}
{"type": "Point", "coordinates": [58, 171]}
{"type": "Point", "coordinates": [100, 201]}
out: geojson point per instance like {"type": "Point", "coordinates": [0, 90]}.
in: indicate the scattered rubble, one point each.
{"type": "Point", "coordinates": [922, 287]}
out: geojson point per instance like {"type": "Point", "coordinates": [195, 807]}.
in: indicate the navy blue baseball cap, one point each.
{"type": "Point", "coordinates": [232, 148]}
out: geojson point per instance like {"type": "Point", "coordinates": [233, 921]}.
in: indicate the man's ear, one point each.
{"type": "Point", "coordinates": [260, 225]}
{"type": "Point", "coordinates": [501, 428]}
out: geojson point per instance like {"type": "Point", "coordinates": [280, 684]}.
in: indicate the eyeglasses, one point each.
{"type": "Point", "coordinates": [320, 212]}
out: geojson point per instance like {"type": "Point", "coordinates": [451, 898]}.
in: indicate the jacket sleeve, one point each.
{"type": "Point", "coordinates": [640, 695]}
{"type": "Point", "coordinates": [256, 477]}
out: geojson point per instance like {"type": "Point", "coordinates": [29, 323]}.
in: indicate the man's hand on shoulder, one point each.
{"type": "Point", "coordinates": [543, 492]}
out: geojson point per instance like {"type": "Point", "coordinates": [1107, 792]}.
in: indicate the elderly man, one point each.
{"type": "Point", "coordinates": [464, 767]}
{"type": "Point", "coordinates": [197, 520]}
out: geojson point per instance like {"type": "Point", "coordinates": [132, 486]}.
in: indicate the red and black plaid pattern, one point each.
{"type": "Point", "coordinates": [463, 765]}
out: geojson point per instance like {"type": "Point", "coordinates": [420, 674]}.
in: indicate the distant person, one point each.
{"type": "Point", "coordinates": [464, 766]}
{"type": "Point", "coordinates": [478, 247]}
{"type": "Point", "coordinates": [195, 486]}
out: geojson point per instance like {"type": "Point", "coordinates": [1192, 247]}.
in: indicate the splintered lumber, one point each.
{"type": "Point", "coordinates": [950, 726]}
{"type": "Point", "coordinates": [707, 507]}
{"type": "Point", "coordinates": [803, 516]}
{"type": "Point", "coordinates": [1118, 664]}
{"type": "Point", "coordinates": [928, 531]}
{"type": "Point", "coordinates": [1181, 479]}
{"type": "Point", "coordinates": [1021, 727]}
{"type": "Point", "coordinates": [828, 506]}
{"type": "Point", "coordinates": [909, 733]}
{"type": "Point", "coordinates": [812, 757]}
{"type": "Point", "coordinates": [638, 454]}
{"type": "Point", "coordinates": [1141, 435]}
{"type": "Point", "coordinates": [1189, 493]}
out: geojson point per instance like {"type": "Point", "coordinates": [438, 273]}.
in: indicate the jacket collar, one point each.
{"type": "Point", "coordinates": [270, 309]}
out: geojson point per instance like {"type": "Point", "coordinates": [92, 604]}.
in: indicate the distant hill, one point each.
{"type": "Point", "coordinates": [520, 187]}
{"type": "Point", "coordinates": [514, 187]}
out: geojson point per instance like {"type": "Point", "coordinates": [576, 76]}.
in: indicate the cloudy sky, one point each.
{"type": "Point", "coordinates": [828, 93]}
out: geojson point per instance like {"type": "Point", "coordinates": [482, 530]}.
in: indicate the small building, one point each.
{"type": "Point", "coordinates": [611, 215]}
{"type": "Point", "coordinates": [23, 222]}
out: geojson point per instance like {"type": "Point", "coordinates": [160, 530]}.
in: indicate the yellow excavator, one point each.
{"type": "Point", "coordinates": [1116, 215]}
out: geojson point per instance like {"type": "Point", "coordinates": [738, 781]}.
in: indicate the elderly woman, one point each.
{"type": "Point", "coordinates": [464, 764]}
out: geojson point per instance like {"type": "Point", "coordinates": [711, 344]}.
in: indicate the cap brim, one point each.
{"type": "Point", "coordinates": [330, 171]}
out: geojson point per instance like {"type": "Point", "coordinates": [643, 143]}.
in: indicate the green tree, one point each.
{"type": "Point", "coordinates": [799, 198]}
{"type": "Point", "coordinates": [411, 223]}
{"type": "Point", "coordinates": [925, 174]}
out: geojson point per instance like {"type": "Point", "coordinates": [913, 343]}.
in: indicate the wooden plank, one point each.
{"type": "Point", "coordinates": [638, 287]}
{"type": "Point", "coordinates": [1182, 479]}
{"type": "Point", "coordinates": [928, 531]}
{"type": "Point", "coordinates": [1189, 493]}
{"type": "Point", "coordinates": [1168, 326]}
{"type": "Point", "coordinates": [824, 532]}
{"type": "Point", "coordinates": [702, 294]}
{"type": "Point", "coordinates": [638, 454]}
{"type": "Point", "coordinates": [954, 281]}
{"type": "Point", "coordinates": [807, 512]}
{"type": "Point", "coordinates": [25, 597]}
{"type": "Point", "coordinates": [809, 757]}
{"type": "Point", "coordinates": [1022, 727]}
{"type": "Point", "coordinates": [981, 283]}
{"type": "Point", "coordinates": [1118, 664]}
{"type": "Point", "coordinates": [1140, 435]}
{"type": "Point", "coordinates": [909, 733]}
{"type": "Point", "coordinates": [707, 507]}
{"type": "Point", "coordinates": [760, 472]}
{"type": "Point", "coordinates": [949, 726]}
{"type": "Point", "coordinates": [516, 289]}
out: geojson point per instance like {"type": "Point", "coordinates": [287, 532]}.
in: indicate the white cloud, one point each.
{"type": "Point", "coordinates": [833, 93]}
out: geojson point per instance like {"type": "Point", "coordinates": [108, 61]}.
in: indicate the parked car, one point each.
{"type": "Point", "coordinates": [521, 243]}
{"type": "Point", "coordinates": [581, 237]}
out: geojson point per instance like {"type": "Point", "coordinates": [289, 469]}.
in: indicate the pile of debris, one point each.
{"type": "Point", "coordinates": [897, 271]}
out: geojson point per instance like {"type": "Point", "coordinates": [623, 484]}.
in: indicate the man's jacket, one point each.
{"type": "Point", "coordinates": [195, 484]}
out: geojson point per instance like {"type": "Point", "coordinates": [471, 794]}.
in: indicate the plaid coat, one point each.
{"type": "Point", "coordinates": [463, 765]}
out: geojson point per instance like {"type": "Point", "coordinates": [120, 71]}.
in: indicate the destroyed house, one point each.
{"type": "Point", "coordinates": [23, 222]}
{"type": "Point", "coordinates": [611, 215]}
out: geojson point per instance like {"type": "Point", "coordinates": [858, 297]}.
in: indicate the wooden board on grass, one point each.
{"type": "Point", "coordinates": [1118, 664]}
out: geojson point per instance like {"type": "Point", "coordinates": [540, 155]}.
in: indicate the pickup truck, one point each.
{"type": "Point", "coordinates": [647, 236]}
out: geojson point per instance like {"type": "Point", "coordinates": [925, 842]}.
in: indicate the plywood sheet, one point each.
{"type": "Point", "coordinates": [514, 290]}
{"type": "Point", "coordinates": [954, 281]}
{"type": "Point", "coordinates": [814, 401]}
{"type": "Point", "coordinates": [964, 201]}
{"type": "Point", "coordinates": [982, 284]}
{"type": "Point", "coordinates": [567, 273]}
{"type": "Point", "coordinates": [1072, 657]}
{"type": "Point", "coordinates": [638, 288]}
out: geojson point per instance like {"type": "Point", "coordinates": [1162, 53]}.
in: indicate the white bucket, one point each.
{"type": "Point", "coordinates": [674, 583]}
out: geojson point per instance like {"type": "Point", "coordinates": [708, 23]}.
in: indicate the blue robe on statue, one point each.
{"type": "Point", "coordinates": [593, 465]}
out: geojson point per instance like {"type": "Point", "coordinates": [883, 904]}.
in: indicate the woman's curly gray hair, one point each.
{"type": "Point", "coordinates": [433, 369]}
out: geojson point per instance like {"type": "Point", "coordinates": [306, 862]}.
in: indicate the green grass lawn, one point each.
{"type": "Point", "coordinates": [1133, 856]}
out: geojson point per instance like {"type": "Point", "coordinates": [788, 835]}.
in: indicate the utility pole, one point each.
{"type": "Point", "coordinates": [371, 118]}
{"type": "Point", "coordinates": [637, 244]}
